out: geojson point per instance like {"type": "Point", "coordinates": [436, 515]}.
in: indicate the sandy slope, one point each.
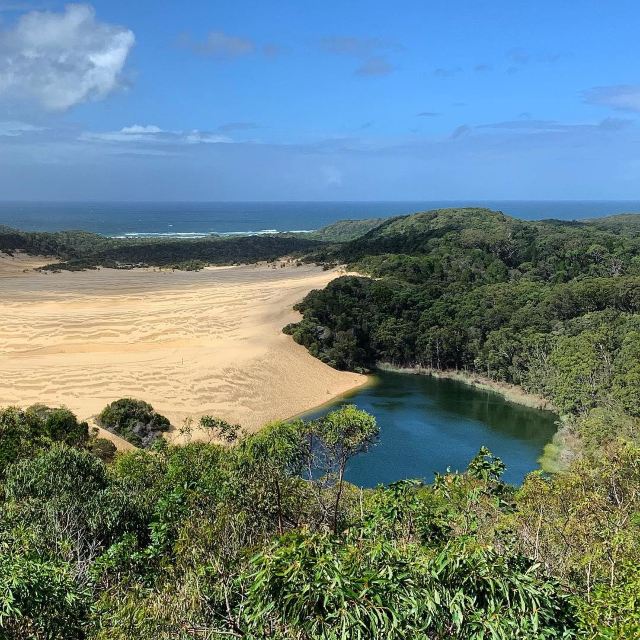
{"type": "Point", "coordinates": [20, 264]}
{"type": "Point", "coordinates": [188, 343]}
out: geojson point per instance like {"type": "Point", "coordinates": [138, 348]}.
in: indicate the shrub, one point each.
{"type": "Point", "coordinates": [134, 420]}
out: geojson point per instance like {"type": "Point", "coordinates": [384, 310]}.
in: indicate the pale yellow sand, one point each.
{"type": "Point", "coordinates": [21, 264]}
{"type": "Point", "coordinates": [189, 343]}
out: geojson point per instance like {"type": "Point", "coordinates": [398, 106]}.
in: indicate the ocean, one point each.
{"type": "Point", "coordinates": [196, 219]}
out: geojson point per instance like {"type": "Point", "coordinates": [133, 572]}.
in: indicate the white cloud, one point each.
{"type": "Point", "coordinates": [13, 129]}
{"type": "Point", "coordinates": [139, 128]}
{"type": "Point", "coordinates": [624, 97]}
{"type": "Point", "coordinates": [62, 59]}
{"type": "Point", "coordinates": [198, 137]}
{"type": "Point", "coordinates": [219, 44]}
{"type": "Point", "coordinates": [153, 134]}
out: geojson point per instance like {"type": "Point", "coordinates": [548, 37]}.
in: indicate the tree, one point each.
{"type": "Point", "coordinates": [626, 377]}
{"type": "Point", "coordinates": [579, 370]}
{"type": "Point", "coordinates": [59, 424]}
{"type": "Point", "coordinates": [61, 471]}
{"type": "Point", "coordinates": [315, 586]}
{"type": "Point", "coordinates": [40, 601]}
{"type": "Point", "coordinates": [220, 429]}
{"type": "Point", "coordinates": [274, 458]}
{"type": "Point", "coordinates": [25, 433]}
{"type": "Point", "coordinates": [338, 437]}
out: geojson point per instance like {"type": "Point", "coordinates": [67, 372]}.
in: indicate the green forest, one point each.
{"type": "Point", "coordinates": [80, 250]}
{"type": "Point", "coordinates": [551, 306]}
{"type": "Point", "coordinates": [259, 536]}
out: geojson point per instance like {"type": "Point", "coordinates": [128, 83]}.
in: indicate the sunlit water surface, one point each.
{"type": "Point", "coordinates": [428, 424]}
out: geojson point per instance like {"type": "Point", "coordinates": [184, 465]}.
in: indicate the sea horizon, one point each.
{"type": "Point", "coordinates": [193, 219]}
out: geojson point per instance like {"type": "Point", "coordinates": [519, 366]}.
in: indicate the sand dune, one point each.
{"type": "Point", "coordinates": [20, 264]}
{"type": "Point", "coordinates": [189, 343]}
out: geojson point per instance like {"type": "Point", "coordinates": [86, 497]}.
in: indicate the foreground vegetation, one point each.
{"type": "Point", "coordinates": [264, 539]}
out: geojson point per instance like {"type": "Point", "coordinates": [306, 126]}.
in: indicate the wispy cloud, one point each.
{"type": "Point", "coordinates": [377, 66]}
{"type": "Point", "coordinates": [13, 128]}
{"type": "Point", "coordinates": [623, 97]}
{"type": "Point", "coordinates": [373, 53]}
{"type": "Point", "coordinates": [553, 126]}
{"type": "Point", "coordinates": [218, 44]}
{"type": "Point", "coordinates": [446, 72]}
{"type": "Point", "coordinates": [427, 114]}
{"type": "Point", "coordinates": [9, 6]}
{"type": "Point", "coordinates": [358, 47]}
{"type": "Point", "coordinates": [524, 125]}
{"type": "Point", "coordinates": [228, 127]}
{"type": "Point", "coordinates": [518, 56]}
{"type": "Point", "coordinates": [153, 134]}
{"type": "Point", "coordinates": [461, 131]}
{"type": "Point", "coordinates": [273, 50]}
{"type": "Point", "coordinates": [476, 155]}
{"type": "Point", "coordinates": [61, 59]}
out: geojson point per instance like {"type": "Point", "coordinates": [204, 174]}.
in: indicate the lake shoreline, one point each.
{"type": "Point", "coordinates": [429, 424]}
{"type": "Point", "coordinates": [342, 398]}
{"type": "Point", "coordinates": [510, 392]}
{"type": "Point", "coordinates": [557, 454]}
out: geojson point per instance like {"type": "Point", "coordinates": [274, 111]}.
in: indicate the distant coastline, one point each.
{"type": "Point", "coordinates": [188, 235]}
{"type": "Point", "coordinates": [176, 219]}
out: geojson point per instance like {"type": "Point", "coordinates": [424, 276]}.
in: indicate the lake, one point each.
{"type": "Point", "coordinates": [428, 424]}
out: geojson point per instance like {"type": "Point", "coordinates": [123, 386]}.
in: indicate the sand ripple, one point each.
{"type": "Point", "coordinates": [189, 343]}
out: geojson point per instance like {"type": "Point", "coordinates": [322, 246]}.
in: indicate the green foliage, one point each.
{"type": "Point", "coordinates": [551, 306]}
{"type": "Point", "coordinates": [344, 230]}
{"type": "Point", "coordinates": [205, 539]}
{"type": "Point", "coordinates": [23, 433]}
{"type": "Point", "coordinates": [220, 429]}
{"type": "Point", "coordinates": [79, 250]}
{"type": "Point", "coordinates": [315, 586]}
{"type": "Point", "coordinates": [58, 425]}
{"type": "Point", "coordinates": [334, 440]}
{"type": "Point", "coordinates": [613, 611]}
{"type": "Point", "coordinates": [265, 538]}
{"type": "Point", "coordinates": [577, 372]}
{"type": "Point", "coordinates": [60, 471]}
{"type": "Point", "coordinates": [40, 601]}
{"type": "Point", "coordinates": [584, 522]}
{"type": "Point", "coordinates": [102, 448]}
{"type": "Point", "coordinates": [134, 420]}
{"type": "Point", "coordinates": [626, 377]}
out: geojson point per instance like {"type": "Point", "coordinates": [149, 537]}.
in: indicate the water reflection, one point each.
{"type": "Point", "coordinates": [429, 424]}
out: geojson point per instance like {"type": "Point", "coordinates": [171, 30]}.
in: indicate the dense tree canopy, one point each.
{"type": "Point", "coordinates": [551, 306]}
{"type": "Point", "coordinates": [77, 250]}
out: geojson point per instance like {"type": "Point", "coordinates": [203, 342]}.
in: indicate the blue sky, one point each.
{"type": "Point", "coordinates": [288, 100]}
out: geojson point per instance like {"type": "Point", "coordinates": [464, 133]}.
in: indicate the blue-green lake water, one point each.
{"type": "Point", "coordinates": [428, 424]}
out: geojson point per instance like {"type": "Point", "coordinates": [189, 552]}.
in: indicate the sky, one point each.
{"type": "Point", "coordinates": [334, 100]}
